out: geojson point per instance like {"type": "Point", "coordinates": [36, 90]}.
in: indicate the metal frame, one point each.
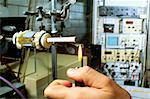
{"type": "Point", "coordinates": [148, 35]}
{"type": "Point", "coordinates": [94, 23]}
{"type": "Point", "coordinates": [147, 62]}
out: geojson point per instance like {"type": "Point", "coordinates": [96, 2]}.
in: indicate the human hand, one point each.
{"type": "Point", "coordinates": [98, 86]}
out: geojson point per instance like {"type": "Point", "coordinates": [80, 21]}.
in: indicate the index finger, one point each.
{"type": "Point", "coordinates": [61, 82]}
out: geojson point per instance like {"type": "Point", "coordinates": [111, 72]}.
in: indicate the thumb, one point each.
{"type": "Point", "coordinates": [89, 77]}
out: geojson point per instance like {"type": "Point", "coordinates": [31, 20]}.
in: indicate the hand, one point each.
{"type": "Point", "coordinates": [98, 86]}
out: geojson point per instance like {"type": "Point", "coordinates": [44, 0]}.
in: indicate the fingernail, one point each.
{"type": "Point", "coordinates": [67, 84]}
{"type": "Point", "coordinates": [71, 71]}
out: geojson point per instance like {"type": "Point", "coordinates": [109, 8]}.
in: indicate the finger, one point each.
{"type": "Point", "coordinates": [89, 76]}
{"type": "Point", "coordinates": [84, 93]}
{"type": "Point", "coordinates": [56, 92]}
{"type": "Point", "coordinates": [61, 82]}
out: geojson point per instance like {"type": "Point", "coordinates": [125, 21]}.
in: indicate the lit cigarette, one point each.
{"type": "Point", "coordinates": [61, 39]}
{"type": "Point", "coordinates": [80, 53]}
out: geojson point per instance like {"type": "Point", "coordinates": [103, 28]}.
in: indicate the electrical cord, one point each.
{"type": "Point", "coordinates": [13, 87]}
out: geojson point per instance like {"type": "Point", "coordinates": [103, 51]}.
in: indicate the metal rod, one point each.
{"type": "Point", "coordinates": [54, 62]}
{"type": "Point", "coordinates": [35, 65]}
{"type": "Point", "coordinates": [94, 23]}
{"type": "Point", "coordinates": [53, 47]}
{"type": "Point", "coordinates": [53, 25]}
{"type": "Point", "coordinates": [147, 44]}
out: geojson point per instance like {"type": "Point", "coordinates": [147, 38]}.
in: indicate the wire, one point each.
{"type": "Point", "coordinates": [13, 87]}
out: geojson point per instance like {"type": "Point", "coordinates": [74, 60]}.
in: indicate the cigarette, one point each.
{"type": "Point", "coordinates": [61, 39]}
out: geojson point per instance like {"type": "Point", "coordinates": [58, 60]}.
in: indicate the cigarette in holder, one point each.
{"type": "Point", "coordinates": [61, 39]}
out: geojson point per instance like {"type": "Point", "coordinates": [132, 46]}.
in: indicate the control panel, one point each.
{"type": "Point", "coordinates": [108, 24]}
{"type": "Point", "coordinates": [130, 41]}
{"type": "Point", "coordinates": [123, 70]}
{"type": "Point", "coordinates": [121, 29]}
{"type": "Point", "coordinates": [108, 56]}
{"type": "Point", "coordinates": [120, 55]}
{"type": "Point", "coordinates": [132, 25]}
{"type": "Point", "coordinates": [123, 10]}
